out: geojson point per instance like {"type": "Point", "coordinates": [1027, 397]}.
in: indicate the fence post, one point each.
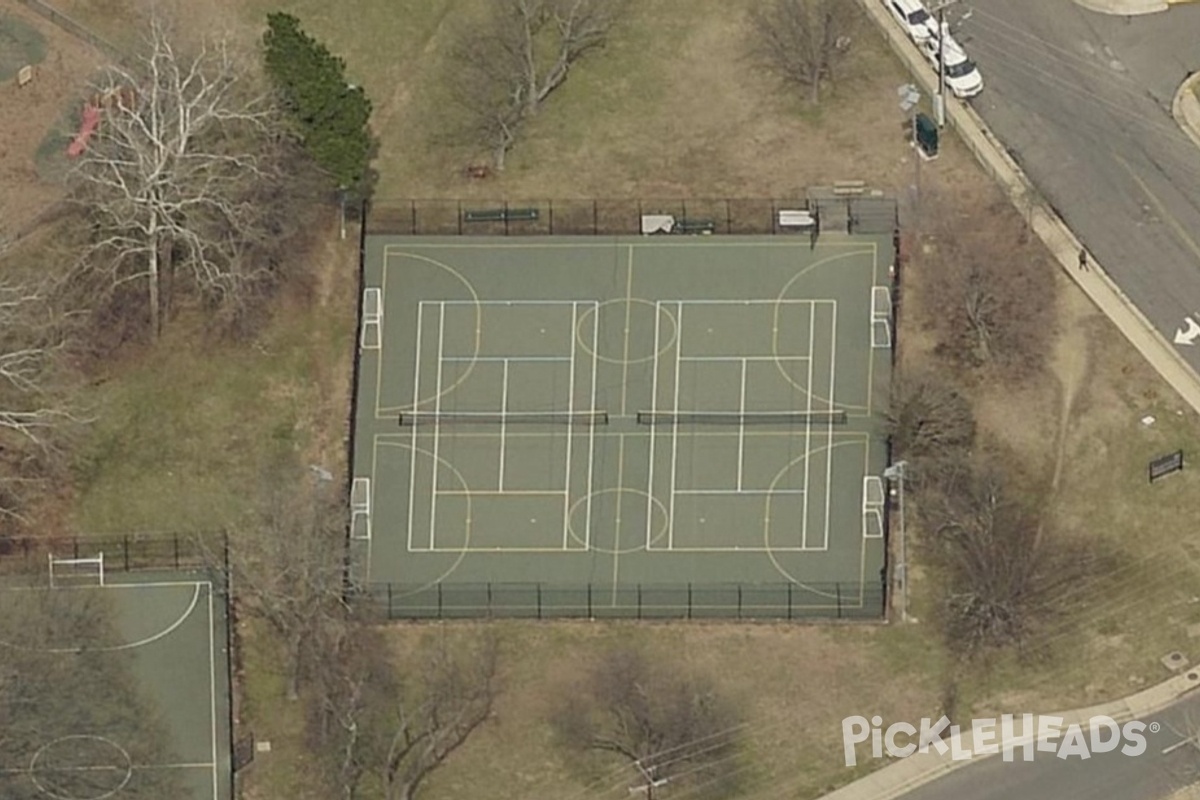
{"type": "Point", "coordinates": [595, 225]}
{"type": "Point", "coordinates": [728, 216]}
{"type": "Point", "coordinates": [589, 600]}
{"type": "Point", "coordinates": [460, 217]}
{"type": "Point", "coordinates": [774, 221]}
{"type": "Point", "coordinates": [125, 557]}
{"type": "Point", "coordinates": [789, 600]}
{"type": "Point", "coordinates": [838, 590]}
{"type": "Point", "coordinates": [689, 607]}
{"type": "Point", "coordinates": [175, 544]}
{"type": "Point", "coordinates": [639, 601]}
{"type": "Point", "coordinates": [439, 614]}
{"type": "Point", "coordinates": [489, 599]}
{"type": "Point", "coordinates": [539, 599]}
{"type": "Point", "coordinates": [412, 208]}
{"type": "Point", "coordinates": [550, 211]}
{"type": "Point", "coordinates": [506, 218]}
{"type": "Point", "coordinates": [739, 601]}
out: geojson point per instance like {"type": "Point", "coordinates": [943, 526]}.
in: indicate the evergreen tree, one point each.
{"type": "Point", "coordinates": [331, 114]}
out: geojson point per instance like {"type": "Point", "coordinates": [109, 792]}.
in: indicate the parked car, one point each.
{"type": "Point", "coordinates": [962, 76]}
{"type": "Point", "coordinates": [914, 18]}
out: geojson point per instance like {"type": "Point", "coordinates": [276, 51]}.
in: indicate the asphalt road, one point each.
{"type": "Point", "coordinates": [1111, 776]}
{"type": "Point", "coordinates": [1082, 101]}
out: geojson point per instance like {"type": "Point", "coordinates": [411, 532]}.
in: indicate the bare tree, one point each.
{"type": "Point", "coordinates": [668, 725]}
{"type": "Point", "coordinates": [929, 417]}
{"type": "Point", "coordinates": [372, 721]}
{"type": "Point", "coordinates": [1003, 580]}
{"type": "Point", "coordinates": [803, 41]}
{"type": "Point", "coordinates": [988, 296]}
{"type": "Point", "coordinates": [34, 413]}
{"type": "Point", "coordinates": [289, 569]}
{"type": "Point", "coordinates": [503, 68]}
{"type": "Point", "coordinates": [169, 176]}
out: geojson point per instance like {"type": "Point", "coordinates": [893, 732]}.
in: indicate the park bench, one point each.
{"type": "Point", "coordinates": [695, 226]}
{"type": "Point", "coordinates": [501, 215]}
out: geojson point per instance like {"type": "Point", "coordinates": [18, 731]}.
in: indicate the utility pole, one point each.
{"type": "Point", "coordinates": [651, 783]}
{"type": "Point", "coordinates": [896, 473]}
{"type": "Point", "coordinates": [939, 102]}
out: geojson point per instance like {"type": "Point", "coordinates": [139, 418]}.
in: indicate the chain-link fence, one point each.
{"type": "Point", "coordinates": [581, 217]}
{"type": "Point", "coordinates": [800, 601]}
{"type": "Point", "coordinates": [124, 553]}
{"type": "Point", "coordinates": [75, 29]}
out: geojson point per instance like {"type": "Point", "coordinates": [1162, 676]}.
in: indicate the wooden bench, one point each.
{"type": "Point", "coordinates": [695, 226]}
{"type": "Point", "coordinates": [501, 215]}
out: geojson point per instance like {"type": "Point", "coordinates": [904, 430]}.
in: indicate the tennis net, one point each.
{"type": "Point", "coordinates": [835, 417]}
{"type": "Point", "coordinates": [410, 419]}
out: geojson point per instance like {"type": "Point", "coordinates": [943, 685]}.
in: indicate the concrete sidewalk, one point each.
{"type": "Point", "coordinates": [907, 774]}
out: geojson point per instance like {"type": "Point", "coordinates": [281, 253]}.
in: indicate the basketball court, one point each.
{"type": "Point", "coordinates": [642, 426]}
{"type": "Point", "coordinates": [132, 687]}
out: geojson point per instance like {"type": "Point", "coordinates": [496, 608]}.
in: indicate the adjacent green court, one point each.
{"type": "Point", "coordinates": [654, 426]}
{"type": "Point", "coordinates": [129, 681]}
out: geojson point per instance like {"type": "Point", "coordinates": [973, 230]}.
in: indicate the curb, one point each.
{"type": "Point", "coordinates": [1185, 107]}
{"type": "Point", "coordinates": [1125, 8]}
{"type": "Point", "coordinates": [911, 773]}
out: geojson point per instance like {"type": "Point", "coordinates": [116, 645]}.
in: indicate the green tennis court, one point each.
{"type": "Point", "coordinates": [652, 426]}
{"type": "Point", "coordinates": [130, 687]}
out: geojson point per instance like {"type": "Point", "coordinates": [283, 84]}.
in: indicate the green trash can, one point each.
{"type": "Point", "coordinates": [927, 135]}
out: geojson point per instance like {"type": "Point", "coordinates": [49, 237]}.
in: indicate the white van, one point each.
{"type": "Point", "coordinates": [962, 76]}
{"type": "Point", "coordinates": [914, 18]}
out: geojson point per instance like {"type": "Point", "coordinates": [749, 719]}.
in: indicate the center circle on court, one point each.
{"type": "Point", "coordinates": [615, 497]}
{"type": "Point", "coordinates": [624, 316]}
{"type": "Point", "coordinates": [81, 767]}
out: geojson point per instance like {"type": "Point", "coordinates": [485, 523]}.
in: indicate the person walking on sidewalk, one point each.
{"type": "Point", "coordinates": [1083, 258]}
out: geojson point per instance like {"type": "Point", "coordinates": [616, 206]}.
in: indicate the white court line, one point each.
{"type": "Point", "coordinates": [412, 452]}
{"type": "Point", "coordinates": [829, 428]}
{"type": "Point", "coordinates": [212, 688]}
{"type": "Point", "coordinates": [743, 358]}
{"type": "Point", "coordinates": [653, 404]}
{"type": "Point", "coordinates": [741, 428]}
{"type": "Point", "coordinates": [500, 492]}
{"type": "Point", "coordinates": [504, 302]}
{"type": "Point", "coordinates": [675, 428]}
{"type": "Point", "coordinates": [493, 359]}
{"type": "Point", "coordinates": [812, 322]}
{"type": "Point", "coordinates": [628, 313]}
{"type": "Point", "coordinates": [503, 422]}
{"type": "Point", "coordinates": [570, 434]}
{"type": "Point", "coordinates": [750, 492]}
{"type": "Point", "coordinates": [437, 434]}
{"type": "Point", "coordinates": [587, 535]}
{"type": "Point", "coordinates": [151, 639]}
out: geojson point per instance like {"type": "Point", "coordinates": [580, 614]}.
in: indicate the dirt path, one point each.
{"type": "Point", "coordinates": [1070, 363]}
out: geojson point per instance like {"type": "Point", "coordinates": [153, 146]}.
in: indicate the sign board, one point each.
{"type": "Point", "coordinates": [1165, 465]}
